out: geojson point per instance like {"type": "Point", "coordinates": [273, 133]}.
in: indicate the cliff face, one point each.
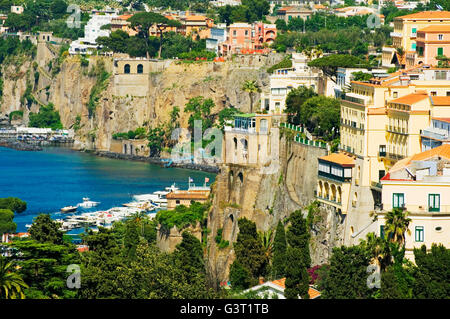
{"type": "Point", "coordinates": [173, 84]}
{"type": "Point", "coordinates": [242, 191]}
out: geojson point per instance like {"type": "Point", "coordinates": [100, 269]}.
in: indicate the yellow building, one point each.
{"type": "Point", "coordinates": [420, 184]}
{"type": "Point", "coordinates": [334, 181]}
{"type": "Point", "coordinates": [405, 32]}
{"type": "Point", "coordinates": [381, 123]}
{"type": "Point", "coordinates": [186, 197]}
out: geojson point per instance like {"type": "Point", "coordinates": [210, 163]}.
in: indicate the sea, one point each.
{"type": "Point", "coordinates": [57, 177]}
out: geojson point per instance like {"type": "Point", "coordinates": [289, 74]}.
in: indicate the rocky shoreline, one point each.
{"type": "Point", "coordinates": [158, 161]}
{"type": "Point", "coordinates": [19, 145]}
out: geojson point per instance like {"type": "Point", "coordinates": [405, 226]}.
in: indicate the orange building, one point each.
{"type": "Point", "coordinates": [433, 41]}
{"type": "Point", "coordinates": [183, 197]}
{"type": "Point", "coordinates": [249, 38]}
{"type": "Point", "coordinates": [121, 23]}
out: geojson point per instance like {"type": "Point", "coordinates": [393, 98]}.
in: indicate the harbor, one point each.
{"type": "Point", "coordinates": [64, 177]}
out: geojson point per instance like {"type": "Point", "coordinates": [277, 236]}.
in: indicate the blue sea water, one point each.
{"type": "Point", "coordinates": [57, 177]}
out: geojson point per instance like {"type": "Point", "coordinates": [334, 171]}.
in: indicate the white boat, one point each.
{"type": "Point", "coordinates": [87, 203]}
{"type": "Point", "coordinates": [158, 197]}
{"type": "Point", "coordinates": [68, 209]}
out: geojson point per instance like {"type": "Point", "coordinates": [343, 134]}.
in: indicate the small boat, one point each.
{"type": "Point", "coordinates": [68, 209]}
{"type": "Point", "coordinates": [87, 203]}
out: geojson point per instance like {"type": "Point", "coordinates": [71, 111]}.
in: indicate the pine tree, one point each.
{"type": "Point", "coordinates": [279, 252]}
{"type": "Point", "coordinates": [298, 259]}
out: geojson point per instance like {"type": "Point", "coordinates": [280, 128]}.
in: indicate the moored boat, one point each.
{"type": "Point", "coordinates": [68, 209]}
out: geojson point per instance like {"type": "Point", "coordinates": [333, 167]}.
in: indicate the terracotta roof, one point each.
{"type": "Point", "coordinates": [442, 119]}
{"type": "Point", "coordinates": [195, 18]}
{"type": "Point", "coordinates": [427, 15]}
{"type": "Point", "coordinates": [313, 293]}
{"type": "Point", "coordinates": [125, 16]}
{"type": "Point", "coordinates": [188, 195]}
{"type": "Point", "coordinates": [440, 100]}
{"type": "Point", "coordinates": [339, 158]}
{"type": "Point", "coordinates": [441, 151]}
{"type": "Point", "coordinates": [410, 99]}
{"type": "Point", "coordinates": [436, 28]}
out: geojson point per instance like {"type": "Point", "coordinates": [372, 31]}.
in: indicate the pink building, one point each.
{"type": "Point", "coordinates": [432, 41]}
{"type": "Point", "coordinates": [248, 38]}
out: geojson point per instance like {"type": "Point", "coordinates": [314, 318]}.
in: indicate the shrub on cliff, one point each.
{"type": "Point", "coordinates": [46, 117]}
{"type": "Point", "coordinates": [182, 216]}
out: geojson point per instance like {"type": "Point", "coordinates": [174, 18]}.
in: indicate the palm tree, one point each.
{"type": "Point", "coordinates": [266, 239]}
{"type": "Point", "coordinates": [397, 223]}
{"type": "Point", "coordinates": [11, 284]}
{"type": "Point", "coordinates": [251, 87]}
{"type": "Point", "coordinates": [378, 250]}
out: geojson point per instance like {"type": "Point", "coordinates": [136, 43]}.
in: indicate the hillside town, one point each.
{"type": "Point", "coordinates": [326, 125]}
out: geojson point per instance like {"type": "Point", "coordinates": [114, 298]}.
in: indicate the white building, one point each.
{"type": "Point", "coordinates": [284, 80]}
{"type": "Point", "coordinates": [92, 31]}
{"type": "Point", "coordinates": [17, 9]}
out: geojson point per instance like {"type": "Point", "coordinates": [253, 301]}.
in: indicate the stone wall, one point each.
{"type": "Point", "coordinates": [167, 241]}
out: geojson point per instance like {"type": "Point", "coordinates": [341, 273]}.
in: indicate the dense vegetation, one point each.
{"type": "Point", "coordinates": [182, 216]}
{"type": "Point", "coordinates": [46, 117]}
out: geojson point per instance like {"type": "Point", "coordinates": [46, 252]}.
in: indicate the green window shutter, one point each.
{"type": "Point", "coordinates": [419, 234]}
{"type": "Point", "coordinates": [440, 51]}
{"type": "Point", "coordinates": [434, 202]}
{"type": "Point", "coordinates": [413, 46]}
{"type": "Point", "coordinates": [381, 231]}
{"type": "Point", "coordinates": [398, 200]}
{"type": "Point", "coordinates": [414, 30]}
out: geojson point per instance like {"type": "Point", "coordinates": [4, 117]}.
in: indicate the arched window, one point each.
{"type": "Point", "coordinates": [126, 69]}
{"type": "Point", "coordinates": [140, 68]}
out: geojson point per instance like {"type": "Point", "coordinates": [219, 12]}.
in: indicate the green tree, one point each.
{"type": "Point", "coordinates": [43, 267]}
{"type": "Point", "coordinates": [45, 230]}
{"type": "Point", "coordinates": [249, 251]}
{"type": "Point", "coordinates": [46, 117]}
{"type": "Point", "coordinates": [251, 87]}
{"type": "Point", "coordinates": [11, 283]}
{"type": "Point", "coordinates": [200, 109]}
{"type": "Point", "coordinates": [361, 76]}
{"type": "Point", "coordinates": [279, 252]}
{"type": "Point", "coordinates": [14, 204]}
{"type": "Point", "coordinates": [298, 258]}
{"type": "Point", "coordinates": [346, 275]}
{"type": "Point", "coordinates": [297, 276]}
{"type": "Point", "coordinates": [330, 64]}
{"type": "Point", "coordinates": [297, 114]}
{"type": "Point", "coordinates": [7, 225]}
{"type": "Point", "coordinates": [397, 222]}
{"type": "Point", "coordinates": [131, 239]}
{"type": "Point", "coordinates": [142, 22]}
{"type": "Point", "coordinates": [432, 276]}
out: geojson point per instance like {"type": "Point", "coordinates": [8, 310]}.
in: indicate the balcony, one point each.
{"type": "Point", "coordinates": [326, 199]}
{"type": "Point", "coordinates": [394, 157]}
{"type": "Point", "coordinates": [396, 129]}
{"type": "Point", "coordinates": [395, 34]}
{"type": "Point", "coordinates": [334, 177]}
{"type": "Point", "coordinates": [353, 99]}
{"type": "Point", "coordinates": [436, 134]}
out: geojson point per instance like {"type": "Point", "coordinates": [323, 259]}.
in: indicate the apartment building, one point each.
{"type": "Point", "coordinates": [284, 80]}
{"type": "Point", "coordinates": [437, 134]}
{"type": "Point", "coordinates": [382, 122]}
{"type": "Point", "coordinates": [405, 34]}
{"type": "Point", "coordinates": [420, 184]}
{"type": "Point", "coordinates": [433, 41]}
{"type": "Point", "coordinates": [249, 38]}
{"type": "Point", "coordinates": [290, 12]}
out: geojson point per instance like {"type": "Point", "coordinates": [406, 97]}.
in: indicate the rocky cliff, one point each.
{"type": "Point", "coordinates": [63, 81]}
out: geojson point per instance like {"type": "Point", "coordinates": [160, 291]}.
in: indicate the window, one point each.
{"type": "Point", "coordinates": [398, 200]}
{"type": "Point", "coordinates": [382, 231]}
{"type": "Point", "coordinates": [419, 234]}
{"type": "Point", "coordinates": [395, 94]}
{"type": "Point", "coordinates": [440, 51]}
{"type": "Point", "coordinates": [440, 75]}
{"type": "Point", "coordinates": [440, 37]}
{"type": "Point", "coordinates": [413, 46]}
{"type": "Point", "coordinates": [234, 32]}
{"type": "Point", "coordinates": [140, 68]}
{"type": "Point", "coordinates": [433, 93]}
{"type": "Point", "coordinates": [126, 68]}
{"type": "Point", "coordinates": [381, 174]}
{"type": "Point", "coordinates": [414, 31]}
{"type": "Point", "coordinates": [434, 202]}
